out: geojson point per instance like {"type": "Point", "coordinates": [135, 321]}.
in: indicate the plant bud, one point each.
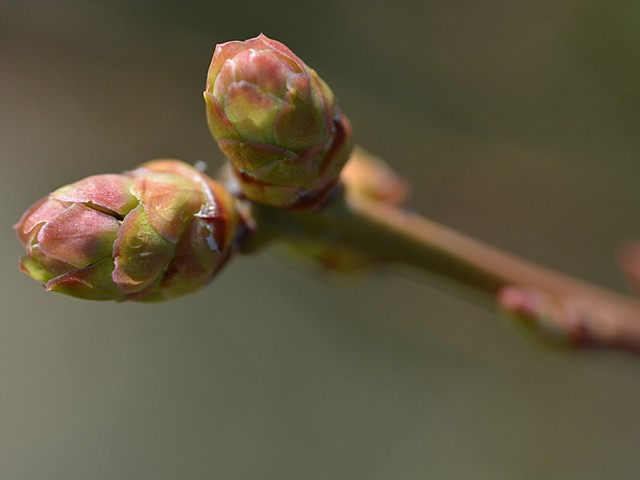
{"type": "Point", "coordinates": [370, 177]}
{"type": "Point", "coordinates": [277, 121]}
{"type": "Point", "coordinates": [553, 321]}
{"type": "Point", "coordinates": [365, 176]}
{"type": "Point", "coordinates": [151, 234]}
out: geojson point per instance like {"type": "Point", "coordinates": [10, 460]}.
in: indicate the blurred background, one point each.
{"type": "Point", "coordinates": [516, 121]}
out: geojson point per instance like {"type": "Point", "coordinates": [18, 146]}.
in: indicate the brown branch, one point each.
{"type": "Point", "coordinates": [555, 306]}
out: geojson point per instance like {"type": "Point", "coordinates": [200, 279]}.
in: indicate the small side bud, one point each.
{"type": "Point", "coordinates": [157, 232]}
{"type": "Point", "coordinates": [629, 262]}
{"type": "Point", "coordinates": [368, 177]}
{"type": "Point", "coordinates": [553, 321]}
{"type": "Point", "coordinates": [277, 121]}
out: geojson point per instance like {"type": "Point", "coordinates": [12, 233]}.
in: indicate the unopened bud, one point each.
{"type": "Point", "coordinates": [368, 177]}
{"type": "Point", "coordinates": [154, 233]}
{"type": "Point", "coordinates": [553, 321]}
{"type": "Point", "coordinates": [277, 121]}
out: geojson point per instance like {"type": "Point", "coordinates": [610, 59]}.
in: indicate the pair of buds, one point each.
{"type": "Point", "coordinates": [165, 228]}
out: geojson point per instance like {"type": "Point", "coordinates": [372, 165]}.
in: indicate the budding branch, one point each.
{"type": "Point", "coordinates": [556, 307]}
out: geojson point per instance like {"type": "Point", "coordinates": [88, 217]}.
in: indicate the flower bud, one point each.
{"type": "Point", "coordinates": [277, 121]}
{"type": "Point", "coordinates": [151, 234]}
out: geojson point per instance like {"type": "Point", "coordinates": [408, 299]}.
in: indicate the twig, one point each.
{"type": "Point", "coordinates": [557, 307]}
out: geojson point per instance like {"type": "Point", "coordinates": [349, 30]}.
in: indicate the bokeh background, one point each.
{"type": "Point", "coordinates": [516, 121]}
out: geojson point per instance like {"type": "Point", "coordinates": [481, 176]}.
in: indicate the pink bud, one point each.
{"type": "Point", "coordinates": [277, 121]}
{"type": "Point", "coordinates": [157, 232]}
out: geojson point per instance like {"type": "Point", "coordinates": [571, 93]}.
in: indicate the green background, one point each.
{"type": "Point", "coordinates": [516, 122]}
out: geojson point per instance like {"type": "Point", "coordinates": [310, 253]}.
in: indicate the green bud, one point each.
{"type": "Point", "coordinates": [277, 121]}
{"type": "Point", "coordinates": [154, 233]}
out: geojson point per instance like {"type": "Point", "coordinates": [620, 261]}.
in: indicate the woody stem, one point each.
{"type": "Point", "coordinates": [601, 318]}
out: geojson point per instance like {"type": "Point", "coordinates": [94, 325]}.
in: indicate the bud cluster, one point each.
{"type": "Point", "coordinates": [165, 228]}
